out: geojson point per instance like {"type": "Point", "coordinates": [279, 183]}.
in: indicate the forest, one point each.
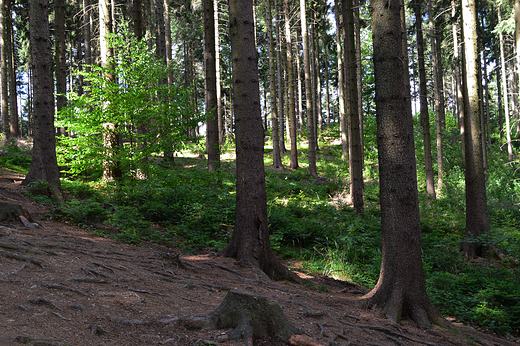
{"type": "Point", "coordinates": [375, 143]}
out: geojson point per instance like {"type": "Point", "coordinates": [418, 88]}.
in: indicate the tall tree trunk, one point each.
{"type": "Point", "coordinates": [277, 159]}
{"type": "Point", "coordinates": [59, 60]}
{"type": "Point", "coordinates": [250, 239]}
{"type": "Point", "coordinates": [137, 16]}
{"type": "Point", "coordinates": [111, 168]}
{"type": "Point", "coordinates": [221, 127]}
{"type": "Point", "coordinates": [279, 72]}
{"type": "Point", "coordinates": [504, 89]}
{"type": "Point", "coordinates": [438, 92]}
{"type": "Point", "coordinates": [308, 91]}
{"type": "Point", "coordinates": [401, 288]}
{"type": "Point", "coordinates": [355, 152]}
{"type": "Point", "coordinates": [423, 97]}
{"type": "Point", "coordinates": [210, 64]}
{"type": "Point", "coordinates": [44, 164]}
{"type": "Point", "coordinates": [4, 107]}
{"type": "Point", "coordinates": [477, 220]}
{"type": "Point", "coordinates": [341, 85]}
{"type": "Point", "coordinates": [327, 83]}
{"type": "Point", "coordinates": [13, 94]}
{"type": "Point", "coordinates": [357, 23]}
{"type": "Point", "coordinates": [458, 79]}
{"type": "Point", "coordinates": [290, 110]}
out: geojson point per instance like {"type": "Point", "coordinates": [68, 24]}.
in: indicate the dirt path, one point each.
{"type": "Point", "coordinates": [60, 285]}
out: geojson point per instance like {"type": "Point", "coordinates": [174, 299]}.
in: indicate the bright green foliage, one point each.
{"type": "Point", "coordinates": [13, 157]}
{"type": "Point", "coordinates": [137, 98]}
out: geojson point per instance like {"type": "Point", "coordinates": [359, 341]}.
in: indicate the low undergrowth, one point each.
{"type": "Point", "coordinates": [311, 220]}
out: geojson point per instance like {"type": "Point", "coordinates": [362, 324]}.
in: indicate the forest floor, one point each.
{"type": "Point", "coordinates": [61, 285]}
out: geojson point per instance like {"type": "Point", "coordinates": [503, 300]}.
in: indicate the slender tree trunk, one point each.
{"type": "Point", "coordinates": [477, 220]}
{"type": "Point", "coordinates": [61, 67]}
{"type": "Point", "coordinates": [221, 127]}
{"type": "Point", "coordinates": [423, 97]}
{"type": "Point", "coordinates": [458, 79]}
{"type": "Point", "coordinates": [279, 72]}
{"type": "Point", "coordinates": [355, 152]}
{"type": "Point", "coordinates": [277, 159]}
{"type": "Point", "coordinates": [357, 23]}
{"type": "Point", "coordinates": [401, 288]}
{"type": "Point", "coordinates": [327, 84]}
{"type": "Point", "coordinates": [308, 91]}
{"type": "Point", "coordinates": [438, 92]}
{"type": "Point", "coordinates": [504, 89]}
{"type": "Point", "coordinates": [4, 107]}
{"type": "Point", "coordinates": [210, 64]}
{"type": "Point", "coordinates": [13, 94]}
{"type": "Point", "coordinates": [44, 164]}
{"type": "Point", "coordinates": [250, 239]}
{"type": "Point", "coordinates": [341, 85]}
{"type": "Point", "coordinates": [290, 110]}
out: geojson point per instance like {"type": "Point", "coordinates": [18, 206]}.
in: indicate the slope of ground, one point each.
{"type": "Point", "coordinates": [59, 285]}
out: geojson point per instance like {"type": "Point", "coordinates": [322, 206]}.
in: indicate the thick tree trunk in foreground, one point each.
{"type": "Point", "coordinates": [210, 69]}
{"type": "Point", "coordinates": [250, 239]}
{"type": "Point", "coordinates": [477, 219]}
{"type": "Point", "coordinates": [44, 165]}
{"type": "Point", "coordinates": [401, 289]}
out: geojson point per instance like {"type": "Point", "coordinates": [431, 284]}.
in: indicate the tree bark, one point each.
{"type": "Point", "coordinates": [477, 220]}
{"type": "Point", "coordinates": [61, 67]}
{"type": "Point", "coordinates": [438, 92]}
{"type": "Point", "coordinates": [308, 90]}
{"type": "Point", "coordinates": [423, 97]}
{"type": "Point", "coordinates": [504, 89]}
{"type": "Point", "coordinates": [277, 159]}
{"type": "Point", "coordinates": [4, 107]}
{"type": "Point", "coordinates": [13, 94]}
{"type": "Point", "coordinates": [210, 69]}
{"type": "Point", "coordinates": [44, 166]}
{"type": "Point", "coordinates": [111, 169]}
{"type": "Point", "coordinates": [279, 72]}
{"type": "Point", "coordinates": [290, 101]}
{"type": "Point", "coordinates": [458, 77]}
{"type": "Point", "coordinates": [355, 152]}
{"type": "Point", "coordinates": [250, 239]}
{"type": "Point", "coordinates": [401, 288]}
{"type": "Point", "coordinates": [341, 85]}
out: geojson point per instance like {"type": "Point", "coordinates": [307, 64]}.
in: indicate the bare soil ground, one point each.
{"type": "Point", "coordinates": [60, 285]}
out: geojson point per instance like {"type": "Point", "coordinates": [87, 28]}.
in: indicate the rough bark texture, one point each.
{"type": "Point", "coordinates": [59, 58]}
{"type": "Point", "coordinates": [210, 69]}
{"type": "Point", "coordinates": [341, 85]}
{"type": "Point", "coordinates": [44, 166]}
{"type": "Point", "coordinates": [308, 93]}
{"type": "Point", "coordinates": [290, 101]}
{"type": "Point", "coordinates": [477, 219]}
{"type": "Point", "coordinates": [277, 158]}
{"type": "Point", "coordinates": [423, 97]}
{"type": "Point", "coordinates": [355, 151]}
{"type": "Point", "coordinates": [401, 288]}
{"type": "Point", "coordinates": [111, 169]}
{"type": "Point", "coordinates": [250, 239]}
{"type": "Point", "coordinates": [252, 316]}
{"type": "Point", "coordinates": [3, 71]}
{"type": "Point", "coordinates": [13, 105]}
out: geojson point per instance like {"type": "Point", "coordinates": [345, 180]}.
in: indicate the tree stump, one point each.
{"type": "Point", "coordinates": [14, 212]}
{"type": "Point", "coordinates": [252, 316]}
